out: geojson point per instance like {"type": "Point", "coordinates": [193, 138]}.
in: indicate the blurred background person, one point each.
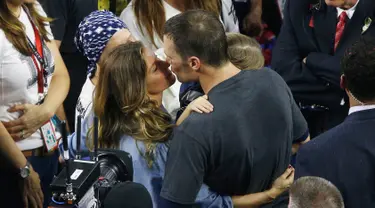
{"type": "Point", "coordinates": [309, 48]}
{"type": "Point", "coordinates": [262, 20]}
{"type": "Point", "coordinates": [34, 83]}
{"type": "Point", "coordinates": [20, 184]}
{"type": "Point", "coordinates": [314, 192]}
{"type": "Point", "coordinates": [146, 19]}
{"type": "Point", "coordinates": [345, 154]}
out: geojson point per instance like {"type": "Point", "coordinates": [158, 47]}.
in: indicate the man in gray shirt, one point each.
{"type": "Point", "coordinates": [246, 142]}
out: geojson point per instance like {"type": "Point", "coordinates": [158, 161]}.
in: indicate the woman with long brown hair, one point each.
{"type": "Point", "coordinates": [34, 83]}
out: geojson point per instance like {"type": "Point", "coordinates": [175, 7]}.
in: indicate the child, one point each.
{"type": "Point", "coordinates": [244, 52]}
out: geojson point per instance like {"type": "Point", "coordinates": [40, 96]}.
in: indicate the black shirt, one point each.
{"type": "Point", "coordinates": [66, 15]}
{"type": "Point", "coordinates": [239, 148]}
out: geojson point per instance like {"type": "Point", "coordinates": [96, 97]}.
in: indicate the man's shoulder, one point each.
{"type": "Point", "coordinates": [330, 139]}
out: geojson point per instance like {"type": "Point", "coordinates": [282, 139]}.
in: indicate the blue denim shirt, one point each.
{"type": "Point", "coordinates": [150, 177]}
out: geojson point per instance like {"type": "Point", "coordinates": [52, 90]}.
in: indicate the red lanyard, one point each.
{"type": "Point", "coordinates": [37, 50]}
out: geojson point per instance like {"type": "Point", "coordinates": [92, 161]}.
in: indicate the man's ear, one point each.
{"type": "Point", "coordinates": [194, 63]}
{"type": "Point", "coordinates": [343, 82]}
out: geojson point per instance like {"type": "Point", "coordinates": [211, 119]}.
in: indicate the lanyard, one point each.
{"type": "Point", "coordinates": [38, 55]}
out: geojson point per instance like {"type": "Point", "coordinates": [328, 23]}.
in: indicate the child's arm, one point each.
{"type": "Point", "coordinates": [199, 105]}
{"type": "Point", "coordinates": [280, 185]}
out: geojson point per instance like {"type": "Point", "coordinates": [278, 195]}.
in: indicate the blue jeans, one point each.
{"type": "Point", "coordinates": [46, 167]}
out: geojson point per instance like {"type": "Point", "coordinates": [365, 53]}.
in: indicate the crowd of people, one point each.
{"type": "Point", "coordinates": [191, 90]}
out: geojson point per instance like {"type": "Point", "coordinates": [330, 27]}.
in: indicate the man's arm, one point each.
{"type": "Point", "coordinates": [252, 23]}
{"type": "Point", "coordinates": [325, 66]}
{"type": "Point", "coordinates": [287, 59]}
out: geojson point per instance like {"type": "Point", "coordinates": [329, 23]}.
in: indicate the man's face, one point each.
{"type": "Point", "coordinates": [339, 3]}
{"type": "Point", "coordinates": [179, 66]}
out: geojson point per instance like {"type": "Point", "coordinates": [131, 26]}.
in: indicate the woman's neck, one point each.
{"type": "Point", "coordinates": [176, 4]}
{"type": "Point", "coordinates": [15, 9]}
{"type": "Point", "coordinates": [158, 98]}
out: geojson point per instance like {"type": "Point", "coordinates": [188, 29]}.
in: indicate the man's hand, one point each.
{"type": "Point", "coordinates": [304, 60]}
{"type": "Point", "coordinates": [252, 24]}
{"type": "Point", "coordinates": [31, 191]}
{"type": "Point", "coordinates": [34, 117]}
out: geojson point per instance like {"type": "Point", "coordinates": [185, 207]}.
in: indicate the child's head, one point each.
{"type": "Point", "coordinates": [244, 52]}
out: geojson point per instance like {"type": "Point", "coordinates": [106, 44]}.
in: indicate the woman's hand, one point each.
{"type": "Point", "coordinates": [201, 105]}
{"type": "Point", "coordinates": [282, 183]}
{"type": "Point", "coordinates": [31, 190]}
{"type": "Point", "coordinates": [33, 117]}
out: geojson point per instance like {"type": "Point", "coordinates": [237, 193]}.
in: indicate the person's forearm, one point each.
{"type": "Point", "coordinates": [60, 82]}
{"type": "Point", "coordinates": [9, 149]}
{"type": "Point", "coordinates": [256, 7]}
{"type": "Point", "coordinates": [254, 200]}
{"type": "Point", "coordinates": [60, 113]}
{"type": "Point", "coordinates": [58, 43]}
{"type": "Point", "coordinates": [296, 146]}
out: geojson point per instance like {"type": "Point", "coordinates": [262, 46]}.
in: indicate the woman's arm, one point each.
{"type": "Point", "coordinates": [59, 87]}
{"type": "Point", "coordinates": [199, 105]}
{"type": "Point", "coordinates": [30, 189]}
{"type": "Point", "coordinates": [10, 150]}
{"type": "Point", "coordinates": [280, 185]}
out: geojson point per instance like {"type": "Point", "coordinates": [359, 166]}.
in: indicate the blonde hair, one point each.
{"type": "Point", "coordinates": [244, 52]}
{"type": "Point", "coordinates": [122, 105]}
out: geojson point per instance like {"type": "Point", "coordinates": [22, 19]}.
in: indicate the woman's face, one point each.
{"type": "Point", "coordinates": [158, 77]}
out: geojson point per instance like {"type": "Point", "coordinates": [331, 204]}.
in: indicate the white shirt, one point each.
{"type": "Point", "coordinates": [171, 95]}
{"type": "Point", "coordinates": [18, 78]}
{"type": "Point", "coordinates": [360, 108]}
{"type": "Point", "coordinates": [349, 12]}
{"type": "Point", "coordinates": [84, 103]}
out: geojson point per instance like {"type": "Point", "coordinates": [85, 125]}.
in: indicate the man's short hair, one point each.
{"type": "Point", "coordinates": [198, 33]}
{"type": "Point", "coordinates": [358, 66]}
{"type": "Point", "coordinates": [312, 192]}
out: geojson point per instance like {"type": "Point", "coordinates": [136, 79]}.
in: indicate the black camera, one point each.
{"type": "Point", "coordinates": [85, 183]}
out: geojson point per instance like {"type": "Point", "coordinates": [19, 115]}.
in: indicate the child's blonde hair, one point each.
{"type": "Point", "coordinates": [244, 52]}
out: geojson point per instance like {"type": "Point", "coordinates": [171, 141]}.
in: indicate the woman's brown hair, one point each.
{"type": "Point", "coordinates": [122, 105]}
{"type": "Point", "coordinates": [244, 52]}
{"type": "Point", "coordinates": [14, 29]}
{"type": "Point", "coordinates": [150, 15]}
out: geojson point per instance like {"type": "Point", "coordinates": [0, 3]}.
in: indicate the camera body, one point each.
{"type": "Point", "coordinates": [91, 180]}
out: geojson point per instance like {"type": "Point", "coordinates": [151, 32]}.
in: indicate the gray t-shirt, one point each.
{"type": "Point", "coordinates": [242, 146]}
